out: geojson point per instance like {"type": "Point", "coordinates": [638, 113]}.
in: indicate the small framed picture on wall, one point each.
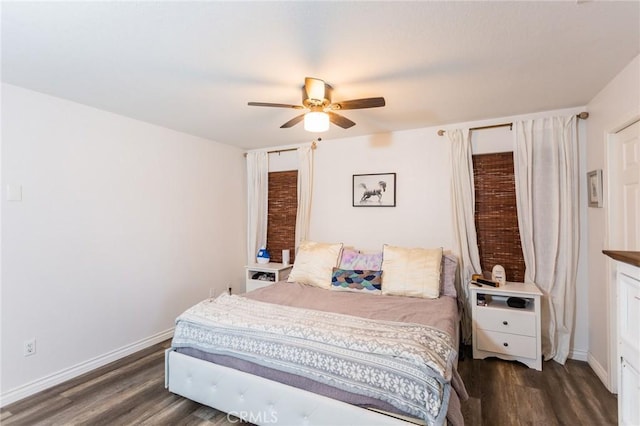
{"type": "Point", "coordinates": [594, 186]}
{"type": "Point", "coordinates": [374, 190]}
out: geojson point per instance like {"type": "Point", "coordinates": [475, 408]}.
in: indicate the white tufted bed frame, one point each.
{"type": "Point", "coordinates": [259, 400]}
{"type": "Point", "coordinates": [262, 401]}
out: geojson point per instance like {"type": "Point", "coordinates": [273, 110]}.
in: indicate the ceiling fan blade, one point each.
{"type": "Point", "coordinates": [267, 104]}
{"type": "Point", "coordinates": [339, 120]}
{"type": "Point", "coordinates": [292, 122]}
{"type": "Point", "coordinates": [359, 103]}
{"type": "Point", "coordinates": [314, 88]}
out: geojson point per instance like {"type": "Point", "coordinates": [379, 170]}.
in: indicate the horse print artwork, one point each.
{"type": "Point", "coordinates": [377, 192]}
{"type": "Point", "coordinates": [374, 190]}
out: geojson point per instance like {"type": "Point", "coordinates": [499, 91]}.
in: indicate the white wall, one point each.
{"type": "Point", "coordinates": [614, 107]}
{"type": "Point", "coordinates": [122, 226]}
{"type": "Point", "coordinates": [422, 217]}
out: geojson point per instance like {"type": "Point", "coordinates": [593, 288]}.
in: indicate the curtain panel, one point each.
{"type": "Point", "coordinates": [546, 172]}
{"type": "Point", "coordinates": [305, 192]}
{"type": "Point", "coordinates": [257, 202]}
{"type": "Point", "coordinates": [464, 227]}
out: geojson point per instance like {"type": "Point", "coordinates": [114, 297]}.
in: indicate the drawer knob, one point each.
{"type": "Point", "coordinates": [505, 323]}
{"type": "Point", "coordinates": [505, 344]}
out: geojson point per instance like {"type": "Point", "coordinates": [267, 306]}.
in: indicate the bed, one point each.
{"type": "Point", "coordinates": [297, 354]}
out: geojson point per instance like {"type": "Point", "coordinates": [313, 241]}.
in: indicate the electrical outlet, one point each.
{"type": "Point", "coordinates": [29, 347]}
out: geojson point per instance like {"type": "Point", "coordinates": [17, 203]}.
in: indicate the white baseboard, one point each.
{"type": "Point", "coordinates": [600, 371]}
{"type": "Point", "coordinates": [61, 376]}
{"type": "Point", "coordinates": [579, 355]}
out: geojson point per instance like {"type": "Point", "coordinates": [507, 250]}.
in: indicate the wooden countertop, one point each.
{"type": "Point", "coordinates": [629, 257]}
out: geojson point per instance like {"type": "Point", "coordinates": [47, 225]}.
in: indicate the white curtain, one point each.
{"type": "Point", "coordinates": [305, 187]}
{"type": "Point", "coordinates": [463, 199]}
{"type": "Point", "coordinates": [546, 177]}
{"type": "Point", "coordinates": [257, 202]}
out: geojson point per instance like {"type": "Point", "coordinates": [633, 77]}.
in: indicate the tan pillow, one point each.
{"type": "Point", "coordinates": [314, 263]}
{"type": "Point", "coordinates": [413, 272]}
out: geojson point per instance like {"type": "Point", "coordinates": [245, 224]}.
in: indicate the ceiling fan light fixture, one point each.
{"type": "Point", "coordinates": [316, 121]}
{"type": "Point", "coordinates": [316, 99]}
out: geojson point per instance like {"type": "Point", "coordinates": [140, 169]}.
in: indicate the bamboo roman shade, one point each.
{"type": "Point", "coordinates": [281, 216]}
{"type": "Point", "coordinates": [496, 215]}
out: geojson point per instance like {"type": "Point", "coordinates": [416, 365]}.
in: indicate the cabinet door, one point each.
{"type": "Point", "coordinates": [629, 395]}
{"type": "Point", "coordinates": [629, 315]}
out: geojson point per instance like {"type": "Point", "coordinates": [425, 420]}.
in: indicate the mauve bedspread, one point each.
{"type": "Point", "coordinates": [440, 313]}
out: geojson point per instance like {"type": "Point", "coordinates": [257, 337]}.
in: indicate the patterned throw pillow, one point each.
{"type": "Point", "coordinates": [356, 260]}
{"type": "Point", "coordinates": [356, 280]}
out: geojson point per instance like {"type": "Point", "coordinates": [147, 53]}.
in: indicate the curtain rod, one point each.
{"type": "Point", "coordinates": [278, 151]}
{"type": "Point", "coordinates": [583, 115]}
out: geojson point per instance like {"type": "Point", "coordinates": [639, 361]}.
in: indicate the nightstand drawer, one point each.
{"type": "Point", "coordinates": [508, 344]}
{"type": "Point", "coordinates": [256, 284]}
{"type": "Point", "coordinates": [506, 320]}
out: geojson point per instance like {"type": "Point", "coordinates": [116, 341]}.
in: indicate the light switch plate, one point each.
{"type": "Point", "coordinates": [14, 192]}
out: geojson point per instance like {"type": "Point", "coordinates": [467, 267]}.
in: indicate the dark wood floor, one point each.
{"type": "Point", "coordinates": [131, 391]}
{"type": "Point", "coordinates": [509, 393]}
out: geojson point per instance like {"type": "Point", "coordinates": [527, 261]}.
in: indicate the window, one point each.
{"type": "Point", "coordinates": [496, 215]}
{"type": "Point", "coordinates": [281, 215]}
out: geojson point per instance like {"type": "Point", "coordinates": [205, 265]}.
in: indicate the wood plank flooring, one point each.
{"type": "Point", "coordinates": [509, 393]}
{"type": "Point", "coordinates": [131, 391]}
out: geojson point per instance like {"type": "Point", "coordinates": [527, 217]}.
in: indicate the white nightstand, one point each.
{"type": "Point", "coordinates": [505, 332]}
{"type": "Point", "coordinates": [272, 273]}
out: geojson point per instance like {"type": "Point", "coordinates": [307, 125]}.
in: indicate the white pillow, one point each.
{"type": "Point", "coordinates": [413, 272]}
{"type": "Point", "coordinates": [314, 264]}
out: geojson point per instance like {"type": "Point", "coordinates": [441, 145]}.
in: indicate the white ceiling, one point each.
{"type": "Point", "coordinates": [193, 66]}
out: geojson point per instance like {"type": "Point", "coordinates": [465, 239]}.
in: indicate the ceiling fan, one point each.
{"type": "Point", "coordinates": [316, 99]}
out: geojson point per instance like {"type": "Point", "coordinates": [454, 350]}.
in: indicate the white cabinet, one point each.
{"type": "Point", "coordinates": [502, 331]}
{"type": "Point", "coordinates": [628, 278]}
{"type": "Point", "coordinates": [260, 275]}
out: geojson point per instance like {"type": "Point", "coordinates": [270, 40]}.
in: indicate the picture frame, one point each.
{"type": "Point", "coordinates": [594, 188]}
{"type": "Point", "coordinates": [374, 190]}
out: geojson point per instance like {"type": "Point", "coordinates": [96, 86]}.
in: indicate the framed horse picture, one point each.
{"type": "Point", "coordinates": [374, 190]}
